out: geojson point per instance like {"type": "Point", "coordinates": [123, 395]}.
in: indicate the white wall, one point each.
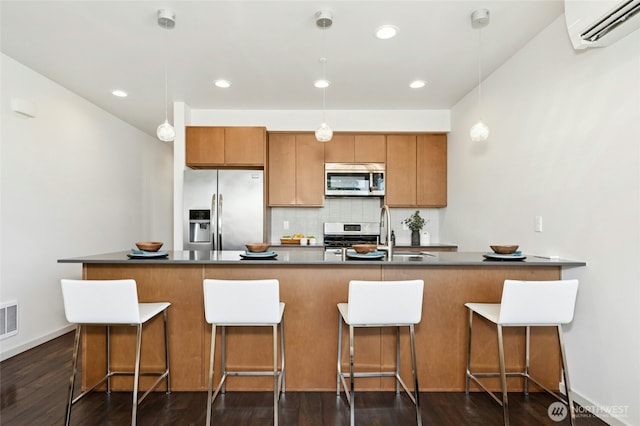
{"type": "Point", "coordinates": [564, 145]}
{"type": "Point", "coordinates": [75, 181]}
{"type": "Point", "coordinates": [339, 120]}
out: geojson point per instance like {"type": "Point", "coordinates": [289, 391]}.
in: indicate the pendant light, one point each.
{"type": "Point", "coordinates": [324, 133]}
{"type": "Point", "coordinates": [166, 132]}
{"type": "Point", "coordinates": [479, 132]}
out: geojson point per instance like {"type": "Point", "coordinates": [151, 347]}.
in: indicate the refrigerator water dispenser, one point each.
{"type": "Point", "coordinates": [199, 226]}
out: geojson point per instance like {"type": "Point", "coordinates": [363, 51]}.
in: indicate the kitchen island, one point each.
{"type": "Point", "coordinates": [312, 282]}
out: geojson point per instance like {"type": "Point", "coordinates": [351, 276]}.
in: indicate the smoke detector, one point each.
{"type": "Point", "coordinates": [166, 18]}
{"type": "Point", "coordinates": [480, 18]}
{"type": "Point", "coordinates": [324, 19]}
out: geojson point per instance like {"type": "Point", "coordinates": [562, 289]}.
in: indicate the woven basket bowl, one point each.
{"type": "Point", "coordinates": [149, 245]}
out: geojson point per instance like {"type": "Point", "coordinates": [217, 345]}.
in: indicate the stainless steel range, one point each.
{"type": "Point", "coordinates": [340, 234]}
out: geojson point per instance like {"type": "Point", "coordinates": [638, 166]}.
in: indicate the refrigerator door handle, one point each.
{"type": "Point", "coordinates": [214, 229]}
{"type": "Point", "coordinates": [220, 222]}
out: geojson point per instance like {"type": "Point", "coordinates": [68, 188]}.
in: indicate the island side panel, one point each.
{"type": "Point", "coordinates": [179, 284]}
{"type": "Point", "coordinates": [441, 337]}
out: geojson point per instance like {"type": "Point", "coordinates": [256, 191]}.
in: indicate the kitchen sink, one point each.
{"type": "Point", "coordinates": [408, 256]}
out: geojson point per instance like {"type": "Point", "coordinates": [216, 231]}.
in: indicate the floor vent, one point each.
{"type": "Point", "coordinates": [8, 319]}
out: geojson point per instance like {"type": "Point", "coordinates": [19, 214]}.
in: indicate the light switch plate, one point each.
{"type": "Point", "coordinates": [538, 224]}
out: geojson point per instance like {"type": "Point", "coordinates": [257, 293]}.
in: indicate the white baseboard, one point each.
{"type": "Point", "coordinates": [611, 416]}
{"type": "Point", "coordinates": [35, 342]}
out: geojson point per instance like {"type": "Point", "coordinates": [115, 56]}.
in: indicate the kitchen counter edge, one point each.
{"type": "Point", "coordinates": [308, 257]}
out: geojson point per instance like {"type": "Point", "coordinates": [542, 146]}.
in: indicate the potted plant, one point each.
{"type": "Point", "coordinates": [415, 223]}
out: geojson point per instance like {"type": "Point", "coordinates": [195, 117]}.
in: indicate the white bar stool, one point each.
{"type": "Point", "coordinates": [526, 304]}
{"type": "Point", "coordinates": [237, 303]}
{"type": "Point", "coordinates": [109, 303]}
{"type": "Point", "coordinates": [380, 304]}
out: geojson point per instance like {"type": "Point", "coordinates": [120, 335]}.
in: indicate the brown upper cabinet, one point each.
{"type": "Point", "coordinates": [354, 148]}
{"type": "Point", "coordinates": [416, 170]}
{"type": "Point", "coordinates": [208, 146]}
{"type": "Point", "coordinates": [295, 170]}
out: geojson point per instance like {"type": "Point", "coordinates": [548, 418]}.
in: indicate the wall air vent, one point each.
{"type": "Point", "coordinates": [600, 23]}
{"type": "Point", "coordinates": [8, 319]}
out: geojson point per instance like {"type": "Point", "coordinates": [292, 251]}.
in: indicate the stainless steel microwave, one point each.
{"type": "Point", "coordinates": [354, 180]}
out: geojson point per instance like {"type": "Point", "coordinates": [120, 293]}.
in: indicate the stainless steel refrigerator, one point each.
{"type": "Point", "coordinates": [223, 209]}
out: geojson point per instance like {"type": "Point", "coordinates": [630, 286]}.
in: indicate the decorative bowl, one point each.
{"type": "Point", "coordinates": [364, 248]}
{"type": "Point", "coordinates": [504, 249]}
{"type": "Point", "coordinates": [149, 245]}
{"type": "Point", "coordinates": [257, 247]}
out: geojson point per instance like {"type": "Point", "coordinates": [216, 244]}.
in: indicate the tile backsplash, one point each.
{"type": "Point", "coordinates": [309, 220]}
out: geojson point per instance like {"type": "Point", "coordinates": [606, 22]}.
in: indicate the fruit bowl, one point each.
{"type": "Point", "coordinates": [504, 249]}
{"type": "Point", "coordinates": [257, 247]}
{"type": "Point", "coordinates": [149, 245]}
{"type": "Point", "coordinates": [364, 248]}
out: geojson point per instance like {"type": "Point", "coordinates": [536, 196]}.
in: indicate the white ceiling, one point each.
{"type": "Point", "coordinates": [270, 51]}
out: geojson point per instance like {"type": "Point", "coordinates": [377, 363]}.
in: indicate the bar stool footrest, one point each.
{"type": "Point", "coordinates": [477, 376]}
{"type": "Point", "coordinates": [247, 373]}
{"type": "Point", "coordinates": [371, 374]}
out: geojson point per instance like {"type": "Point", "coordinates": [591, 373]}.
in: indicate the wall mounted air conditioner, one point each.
{"type": "Point", "coordinates": [601, 22]}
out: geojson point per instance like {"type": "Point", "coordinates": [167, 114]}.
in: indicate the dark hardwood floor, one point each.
{"type": "Point", "coordinates": [34, 385]}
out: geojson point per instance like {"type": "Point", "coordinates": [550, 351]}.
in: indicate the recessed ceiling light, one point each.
{"type": "Point", "coordinates": [321, 84]}
{"type": "Point", "coordinates": [119, 93]}
{"type": "Point", "coordinates": [386, 32]}
{"type": "Point", "coordinates": [222, 83]}
{"type": "Point", "coordinates": [417, 84]}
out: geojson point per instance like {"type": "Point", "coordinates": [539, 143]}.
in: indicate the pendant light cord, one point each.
{"type": "Point", "coordinates": [324, 90]}
{"type": "Point", "coordinates": [166, 85]}
{"type": "Point", "coordinates": [480, 70]}
{"type": "Point", "coordinates": [324, 72]}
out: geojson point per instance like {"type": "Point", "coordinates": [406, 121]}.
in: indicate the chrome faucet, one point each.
{"type": "Point", "coordinates": [385, 216]}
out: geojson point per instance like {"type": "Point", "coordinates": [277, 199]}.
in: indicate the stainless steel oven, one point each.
{"type": "Point", "coordinates": [340, 234]}
{"type": "Point", "coordinates": [354, 180]}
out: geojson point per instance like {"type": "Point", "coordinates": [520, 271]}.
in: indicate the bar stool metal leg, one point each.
{"type": "Point", "coordinates": [565, 375]}
{"type": "Point", "coordinates": [223, 363]}
{"type": "Point", "coordinates": [283, 375]}
{"type": "Point", "coordinates": [503, 377]}
{"type": "Point", "coordinates": [166, 352]}
{"type": "Point", "coordinates": [397, 358]}
{"type": "Point", "coordinates": [468, 373]}
{"type": "Point", "coordinates": [210, 385]}
{"type": "Point", "coordinates": [74, 370]}
{"type": "Point", "coordinates": [134, 410]}
{"type": "Point", "coordinates": [527, 359]}
{"type": "Point", "coordinates": [352, 409]}
{"type": "Point", "coordinates": [276, 392]}
{"type": "Point", "coordinates": [415, 374]}
{"type": "Point", "coordinates": [108, 357]}
{"type": "Point", "coordinates": [339, 354]}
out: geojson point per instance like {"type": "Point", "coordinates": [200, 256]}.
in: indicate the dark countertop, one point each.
{"type": "Point", "coordinates": [397, 247]}
{"type": "Point", "coordinates": [320, 257]}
